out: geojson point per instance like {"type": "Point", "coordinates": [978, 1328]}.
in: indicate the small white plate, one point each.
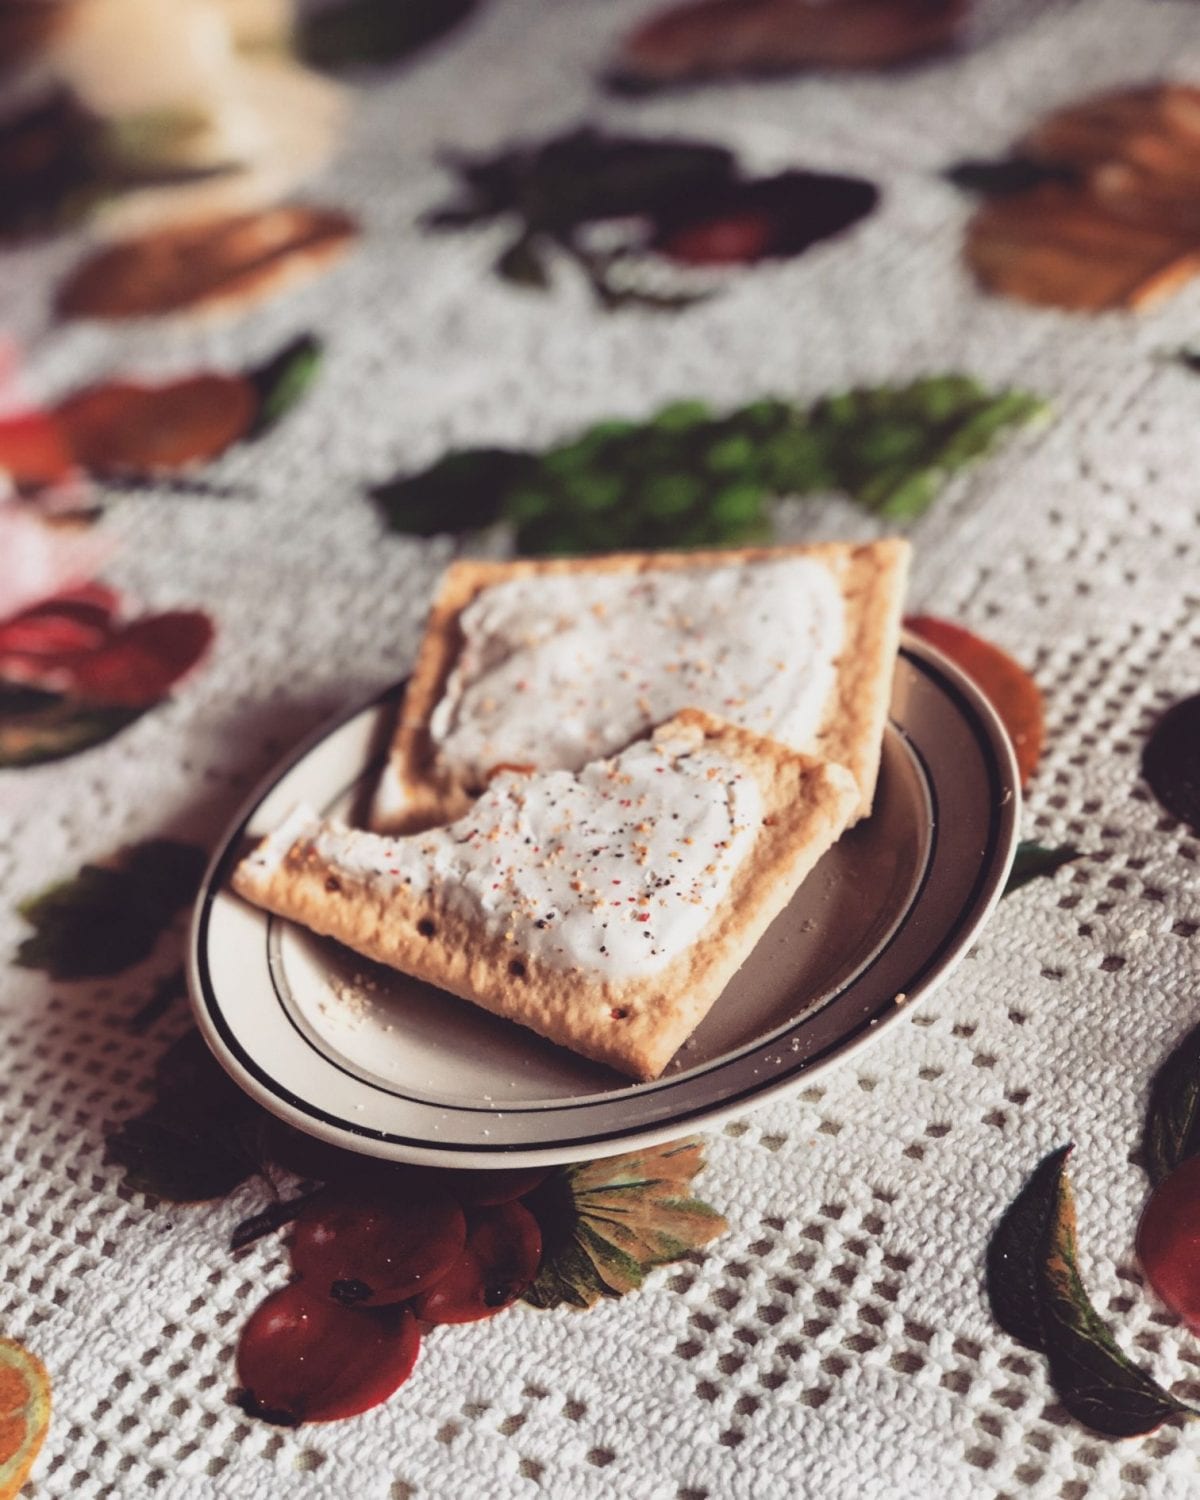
{"type": "Point", "coordinates": [368, 1059]}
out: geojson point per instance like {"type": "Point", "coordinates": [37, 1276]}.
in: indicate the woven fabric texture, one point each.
{"type": "Point", "coordinates": [836, 1342]}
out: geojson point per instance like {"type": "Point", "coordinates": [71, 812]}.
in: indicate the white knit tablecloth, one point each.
{"type": "Point", "coordinates": [835, 1342]}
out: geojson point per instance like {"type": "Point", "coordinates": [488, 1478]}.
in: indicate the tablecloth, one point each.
{"type": "Point", "coordinates": [836, 1341]}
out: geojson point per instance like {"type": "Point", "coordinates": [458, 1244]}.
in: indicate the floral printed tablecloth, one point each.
{"type": "Point", "coordinates": [836, 1340]}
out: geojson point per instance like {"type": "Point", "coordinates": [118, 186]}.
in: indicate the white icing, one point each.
{"type": "Point", "coordinates": [558, 670]}
{"type": "Point", "coordinates": [615, 870]}
{"type": "Point", "coordinates": [270, 853]}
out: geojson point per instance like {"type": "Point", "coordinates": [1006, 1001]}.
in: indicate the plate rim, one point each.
{"type": "Point", "coordinates": [306, 1115]}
